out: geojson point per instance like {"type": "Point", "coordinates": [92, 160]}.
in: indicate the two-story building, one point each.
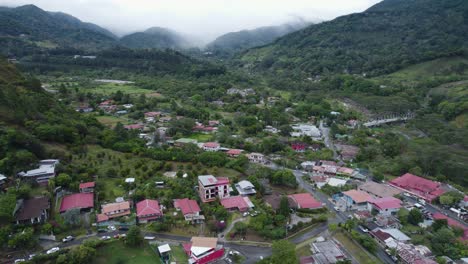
{"type": "Point", "coordinates": [113, 210]}
{"type": "Point", "coordinates": [148, 210]}
{"type": "Point", "coordinates": [42, 174]}
{"type": "Point", "coordinates": [190, 210]}
{"type": "Point", "coordinates": [210, 187]}
{"type": "Point", "coordinates": [257, 158]}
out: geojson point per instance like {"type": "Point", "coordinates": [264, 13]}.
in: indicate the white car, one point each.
{"type": "Point", "coordinates": [19, 260]}
{"type": "Point", "coordinates": [112, 228]}
{"type": "Point", "coordinates": [105, 237]}
{"type": "Point", "coordinates": [53, 250]}
{"type": "Point", "coordinates": [67, 239]}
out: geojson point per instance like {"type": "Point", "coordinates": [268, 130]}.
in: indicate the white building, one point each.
{"type": "Point", "coordinates": [245, 188]}
{"type": "Point", "coordinates": [42, 174]}
{"type": "Point", "coordinates": [300, 130]}
{"type": "Point", "coordinates": [257, 158]}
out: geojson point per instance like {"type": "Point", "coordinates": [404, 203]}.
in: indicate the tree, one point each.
{"type": "Point", "coordinates": [134, 237]}
{"type": "Point", "coordinates": [442, 243]}
{"type": "Point", "coordinates": [240, 228]}
{"type": "Point", "coordinates": [284, 206]}
{"type": "Point", "coordinates": [63, 180]}
{"type": "Point", "coordinates": [438, 224]}
{"type": "Point", "coordinates": [415, 217]}
{"type": "Point", "coordinates": [283, 251]}
{"type": "Point", "coordinates": [403, 215]}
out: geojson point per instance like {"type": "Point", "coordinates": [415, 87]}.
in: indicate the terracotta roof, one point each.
{"type": "Point", "coordinates": [427, 189]}
{"type": "Point", "coordinates": [112, 207]}
{"type": "Point", "coordinates": [358, 196]}
{"type": "Point", "coordinates": [209, 242]}
{"type": "Point", "coordinates": [187, 206]}
{"type": "Point", "coordinates": [148, 207]}
{"type": "Point", "coordinates": [305, 201]}
{"type": "Point", "coordinates": [235, 202]}
{"type": "Point", "coordinates": [386, 203]}
{"type": "Point", "coordinates": [101, 218]}
{"type": "Point", "coordinates": [381, 235]}
{"type": "Point", "coordinates": [234, 152]}
{"type": "Point", "coordinates": [211, 145]}
{"type": "Point", "coordinates": [134, 126]}
{"type": "Point", "coordinates": [77, 200]}
{"type": "Point", "coordinates": [379, 190]}
{"type": "Point", "coordinates": [32, 208]}
{"type": "Point", "coordinates": [87, 185]}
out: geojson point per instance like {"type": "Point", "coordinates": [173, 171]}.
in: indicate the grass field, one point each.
{"type": "Point", "coordinates": [201, 137]}
{"type": "Point", "coordinates": [117, 253]}
{"type": "Point", "coordinates": [356, 251]}
{"type": "Point", "coordinates": [109, 88]}
{"type": "Point", "coordinates": [111, 121]}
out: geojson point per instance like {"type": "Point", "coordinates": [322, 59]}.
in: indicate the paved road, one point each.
{"type": "Point", "coordinates": [328, 141]}
{"type": "Point", "coordinates": [435, 209]}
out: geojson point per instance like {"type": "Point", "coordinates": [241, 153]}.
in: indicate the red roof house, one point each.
{"type": "Point", "coordinates": [304, 201]}
{"type": "Point", "coordinates": [189, 209]}
{"type": "Point", "coordinates": [423, 188]}
{"type": "Point", "coordinates": [87, 187]}
{"type": "Point", "coordinates": [234, 152]}
{"type": "Point", "coordinates": [299, 146]}
{"type": "Point", "coordinates": [148, 210]}
{"type": "Point", "coordinates": [81, 201]}
{"type": "Point", "coordinates": [240, 203]}
{"type": "Point", "coordinates": [211, 146]}
{"type": "Point", "coordinates": [152, 114]}
{"type": "Point", "coordinates": [386, 205]}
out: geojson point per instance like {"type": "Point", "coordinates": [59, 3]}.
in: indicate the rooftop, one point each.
{"type": "Point", "coordinates": [32, 208]}
{"type": "Point", "coordinates": [112, 207]}
{"type": "Point", "coordinates": [148, 207]}
{"type": "Point", "coordinates": [209, 242]}
{"type": "Point", "coordinates": [358, 196]}
{"type": "Point", "coordinates": [211, 145]}
{"type": "Point", "coordinates": [187, 206]}
{"type": "Point", "coordinates": [379, 190]}
{"type": "Point", "coordinates": [305, 201]}
{"type": "Point", "coordinates": [238, 202]}
{"type": "Point", "coordinates": [386, 203]}
{"type": "Point", "coordinates": [207, 180]}
{"type": "Point", "coordinates": [85, 185]}
{"type": "Point", "coordinates": [77, 201]}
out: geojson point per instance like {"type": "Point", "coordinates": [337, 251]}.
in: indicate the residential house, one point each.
{"type": "Point", "coordinates": [148, 210]}
{"type": "Point", "coordinates": [234, 153]}
{"type": "Point", "coordinates": [134, 127]}
{"type": "Point", "coordinates": [299, 147]}
{"type": "Point", "coordinates": [326, 252]}
{"type": "Point", "coordinates": [164, 253]}
{"type": "Point", "coordinates": [87, 187]}
{"type": "Point", "coordinates": [245, 188]}
{"type": "Point", "coordinates": [184, 141]}
{"type": "Point", "coordinates": [211, 146]}
{"type": "Point", "coordinates": [453, 223]}
{"type": "Point", "coordinates": [32, 211]}
{"type": "Point", "coordinates": [202, 250]}
{"type": "Point", "coordinates": [319, 180]}
{"type": "Point", "coordinates": [81, 201]}
{"type": "Point", "coordinates": [303, 201]}
{"type": "Point", "coordinates": [308, 165]}
{"type": "Point", "coordinates": [301, 130]}
{"type": "Point", "coordinates": [257, 158]}
{"type": "Point", "coordinates": [418, 186]}
{"type": "Point", "coordinates": [385, 206]}
{"type": "Point", "coordinates": [336, 182]}
{"type": "Point", "coordinates": [239, 203]}
{"type": "Point", "coordinates": [354, 199]}
{"type": "Point", "coordinates": [113, 210]}
{"type": "Point", "coordinates": [411, 254]}
{"type": "Point", "coordinates": [379, 190]}
{"type": "Point", "coordinates": [213, 123]}
{"type": "Point", "coordinates": [189, 209]}
{"type": "Point", "coordinates": [42, 174]}
{"type": "Point", "coordinates": [210, 188]}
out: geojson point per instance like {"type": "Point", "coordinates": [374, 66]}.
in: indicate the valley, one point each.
{"type": "Point", "coordinates": [265, 146]}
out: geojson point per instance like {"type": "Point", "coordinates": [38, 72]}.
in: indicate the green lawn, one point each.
{"type": "Point", "coordinates": [109, 88]}
{"type": "Point", "coordinates": [355, 250]}
{"type": "Point", "coordinates": [117, 253]}
{"type": "Point", "coordinates": [111, 121]}
{"type": "Point", "coordinates": [201, 137]}
{"type": "Point", "coordinates": [178, 254]}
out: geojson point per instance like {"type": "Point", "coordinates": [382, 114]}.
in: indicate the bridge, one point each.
{"type": "Point", "coordinates": [389, 119]}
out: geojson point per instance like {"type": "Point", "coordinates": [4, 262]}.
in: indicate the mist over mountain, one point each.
{"type": "Point", "coordinates": [234, 42]}
{"type": "Point", "coordinates": [155, 37]}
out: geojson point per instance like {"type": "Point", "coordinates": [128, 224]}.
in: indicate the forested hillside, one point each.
{"type": "Point", "coordinates": [382, 39]}
{"type": "Point", "coordinates": [234, 42]}
{"type": "Point", "coordinates": [28, 26]}
{"type": "Point", "coordinates": [155, 38]}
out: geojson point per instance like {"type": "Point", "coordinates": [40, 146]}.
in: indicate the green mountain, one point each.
{"type": "Point", "coordinates": [386, 37]}
{"type": "Point", "coordinates": [234, 42]}
{"type": "Point", "coordinates": [29, 27]}
{"type": "Point", "coordinates": [155, 37]}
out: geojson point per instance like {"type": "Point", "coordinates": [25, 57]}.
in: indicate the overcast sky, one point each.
{"type": "Point", "coordinates": [202, 18]}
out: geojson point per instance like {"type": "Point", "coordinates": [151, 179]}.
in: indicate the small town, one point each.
{"type": "Point", "coordinates": [333, 141]}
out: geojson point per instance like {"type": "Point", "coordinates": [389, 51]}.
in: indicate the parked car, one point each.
{"type": "Point", "coordinates": [67, 239]}
{"type": "Point", "coordinates": [363, 229]}
{"type": "Point", "coordinates": [102, 230]}
{"type": "Point", "coordinates": [53, 250]}
{"type": "Point", "coordinates": [19, 260]}
{"type": "Point", "coordinates": [123, 228]}
{"type": "Point", "coordinates": [112, 228]}
{"type": "Point", "coordinates": [105, 237]}
{"type": "Point", "coordinates": [31, 256]}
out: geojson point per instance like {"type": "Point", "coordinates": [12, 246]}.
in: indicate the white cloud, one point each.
{"type": "Point", "coordinates": [202, 18]}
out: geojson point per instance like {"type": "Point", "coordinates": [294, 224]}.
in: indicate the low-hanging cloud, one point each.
{"type": "Point", "coordinates": [205, 19]}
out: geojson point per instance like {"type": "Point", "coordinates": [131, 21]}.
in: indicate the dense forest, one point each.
{"type": "Point", "coordinates": [383, 39]}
